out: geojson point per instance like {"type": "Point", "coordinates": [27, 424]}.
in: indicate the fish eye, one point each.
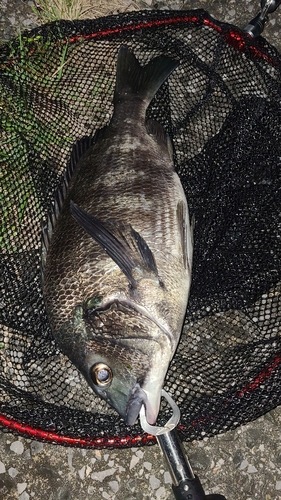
{"type": "Point", "coordinates": [101, 374]}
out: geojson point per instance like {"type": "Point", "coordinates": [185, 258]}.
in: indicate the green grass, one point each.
{"type": "Point", "coordinates": [23, 128]}
{"type": "Point", "coordinates": [53, 10]}
{"type": "Point", "coordinates": [39, 99]}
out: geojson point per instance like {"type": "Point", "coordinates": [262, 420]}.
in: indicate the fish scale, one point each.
{"type": "Point", "coordinates": [146, 205]}
{"type": "Point", "coordinates": [118, 260]}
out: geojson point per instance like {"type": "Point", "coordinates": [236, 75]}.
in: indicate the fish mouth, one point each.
{"type": "Point", "coordinates": [149, 394]}
{"type": "Point", "coordinates": [138, 398]}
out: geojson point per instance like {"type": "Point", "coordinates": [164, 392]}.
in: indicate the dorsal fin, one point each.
{"type": "Point", "coordinates": [121, 242]}
{"type": "Point", "coordinates": [78, 151]}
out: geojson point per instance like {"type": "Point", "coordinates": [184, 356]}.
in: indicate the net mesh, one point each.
{"type": "Point", "coordinates": [222, 110]}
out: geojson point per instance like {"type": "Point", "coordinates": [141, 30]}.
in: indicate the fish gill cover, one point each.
{"type": "Point", "coordinates": [221, 107]}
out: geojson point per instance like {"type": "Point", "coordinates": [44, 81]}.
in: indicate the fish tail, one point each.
{"type": "Point", "coordinates": [134, 80]}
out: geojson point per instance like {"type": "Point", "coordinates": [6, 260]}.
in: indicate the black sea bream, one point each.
{"type": "Point", "coordinates": [117, 267]}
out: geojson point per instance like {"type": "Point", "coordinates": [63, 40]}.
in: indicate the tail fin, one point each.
{"type": "Point", "coordinates": [142, 81]}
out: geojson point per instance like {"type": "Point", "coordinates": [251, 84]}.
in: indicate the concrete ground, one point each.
{"type": "Point", "coordinates": [244, 464]}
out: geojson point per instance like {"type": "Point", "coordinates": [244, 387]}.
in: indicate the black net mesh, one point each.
{"type": "Point", "coordinates": [222, 110]}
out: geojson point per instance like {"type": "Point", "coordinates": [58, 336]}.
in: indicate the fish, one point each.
{"type": "Point", "coordinates": [117, 249]}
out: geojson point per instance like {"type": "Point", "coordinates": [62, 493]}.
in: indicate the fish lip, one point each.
{"type": "Point", "coordinates": [137, 398]}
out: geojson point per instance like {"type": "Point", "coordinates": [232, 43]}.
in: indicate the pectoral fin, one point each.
{"type": "Point", "coordinates": [121, 242]}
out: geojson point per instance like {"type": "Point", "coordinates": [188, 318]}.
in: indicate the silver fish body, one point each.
{"type": "Point", "coordinates": [118, 265]}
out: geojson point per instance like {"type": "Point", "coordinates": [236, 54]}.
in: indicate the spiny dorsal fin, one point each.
{"type": "Point", "coordinates": [121, 242]}
{"type": "Point", "coordinates": [78, 151]}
